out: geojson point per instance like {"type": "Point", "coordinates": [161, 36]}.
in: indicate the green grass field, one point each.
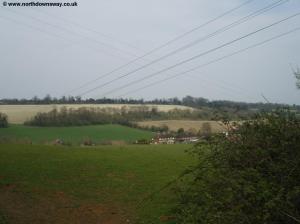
{"type": "Point", "coordinates": [56, 184]}
{"type": "Point", "coordinates": [75, 135]}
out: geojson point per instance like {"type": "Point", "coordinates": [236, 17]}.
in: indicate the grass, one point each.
{"type": "Point", "coordinates": [75, 135]}
{"type": "Point", "coordinates": [113, 176]}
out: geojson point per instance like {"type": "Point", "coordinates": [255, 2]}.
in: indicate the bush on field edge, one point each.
{"type": "Point", "coordinates": [3, 120]}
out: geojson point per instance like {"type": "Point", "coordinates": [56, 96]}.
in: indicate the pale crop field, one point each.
{"type": "Point", "coordinates": [174, 125]}
{"type": "Point", "coordinates": [18, 114]}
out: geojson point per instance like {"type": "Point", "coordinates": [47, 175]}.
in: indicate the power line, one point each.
{"type": "Point", "coordinates": [34, 28]}
{"type": "Point", "coordinates": [223, 29]}
{"type": "Point", "coordinates": [213, 61]}
{"type": "Point", "coordinates": [60, 18]}
{"type": "Point", "coordinates": [162, 46]}
{"type": "Point", "coordinates": [202, 54]}
{"type": "Point", "coordinates": [74, 33]}
{"type": "Point", "coordinates": [208, 84]}
{"type": "Point", "coordinates": [53, 34]}
{"type": "Point", "coordinates": [265, 98]}
{"type": "Point", "coordinates": [233, 87]}
{"type": "Point", "coordinates": [228, 87]}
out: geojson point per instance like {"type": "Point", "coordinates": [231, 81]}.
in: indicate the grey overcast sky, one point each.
{"type": "Point", "coordinates": [48, 50]}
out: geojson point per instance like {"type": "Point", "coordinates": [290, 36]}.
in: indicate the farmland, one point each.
{"type": "Point", "coordinates": [18, 114]}
{"type": "Point", "coordinates": [109, 180]}
{"type": "Point", "coordinates": [174, 125]}
{"type": "Point", "coordinates": [107, 184]}
{"type": "Point", "coordinates": [74, 135]}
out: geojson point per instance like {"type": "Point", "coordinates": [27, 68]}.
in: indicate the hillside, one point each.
{"type": "Point", "coordinates": [18, 114]}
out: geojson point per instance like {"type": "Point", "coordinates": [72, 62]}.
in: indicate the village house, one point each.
{"type": "Point", "coordinates": [163, 140]}
{"type": "Point", "coordinates": [169, 139]}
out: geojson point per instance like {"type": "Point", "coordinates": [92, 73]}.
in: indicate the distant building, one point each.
{"type": "Point", "coordinates": [169, 139]}
{"type": "Point", "coordinates": [163, 140]}
{"type": "Point", "coordinates": [189, 139]}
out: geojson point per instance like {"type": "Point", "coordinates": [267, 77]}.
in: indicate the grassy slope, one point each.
{"type": "Point", "coordinates": [123, 175]}
{"type": "Point", "coordinates": [75, 134]}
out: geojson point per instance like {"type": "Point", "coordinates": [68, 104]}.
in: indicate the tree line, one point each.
{"type": "Point", "coordinates": [196, 102]}
{"type": "Point", "coordinates": [124, 116]}
{"type": "Point", "coordinates": [90, 116]}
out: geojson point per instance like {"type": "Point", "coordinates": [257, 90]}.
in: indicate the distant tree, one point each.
{"type": "Point", "coordinates": [78, 99]}
{"type": "Point", "coordinates": [63, 99]}
{"type": "Point", "coordinates": [35, 100]}
{"type": "Point", "coordinates": [192, 131]}
{"type": "Point", "coordinates": [206, 129]}
{"type": "Point", "coordinates": [180, 132]}
{"type": "Point", "coordinates": [164, 128]}
{"type": "Point", "coordinates": [188, 101]}
{"type": "Point", "coordinates": [47, 99]}
{"type": "Point", "coordinates": [3, 120]}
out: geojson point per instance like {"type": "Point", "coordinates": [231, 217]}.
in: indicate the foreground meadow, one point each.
{"type": "Point", "coordinates": [107, 184]}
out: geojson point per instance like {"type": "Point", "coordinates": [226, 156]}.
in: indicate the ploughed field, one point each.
{"type": "Point", "coordinates": [74, 135]}
{"type": "Point", "coordinates": [105, 184]}
{"type": "Point", "coordinates": [174, 125]}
